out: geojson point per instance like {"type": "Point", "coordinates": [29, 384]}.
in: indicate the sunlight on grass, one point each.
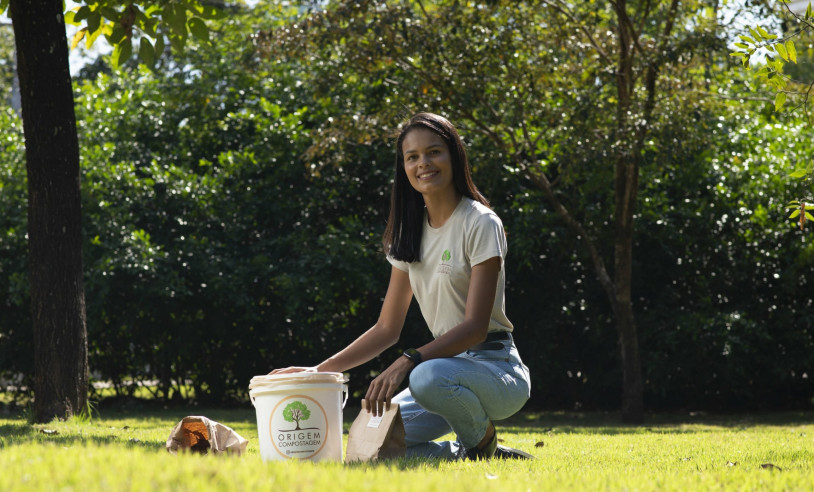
{"type": "Point", "coordinates": [125, 451]}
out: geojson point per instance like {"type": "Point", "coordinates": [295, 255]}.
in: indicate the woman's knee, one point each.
{"type": "Point", "coordinates": [427, 381]}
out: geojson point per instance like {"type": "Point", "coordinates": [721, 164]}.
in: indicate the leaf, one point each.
{"type": "Point", "coordinates": [747, 39]}
{"type": "Point", "coordinates": [176, 18]}
{"type": "Point", "coordinates": [94, 22]}
{"type": "Point", "coordinates": [800, 173]}
{"type": "Point", "coordinates": [149, 26]}
{"type": "Point", "coordinates": [116, 35]}
{"type": "Point", "coordinates": [198, 28]}
{"type": "Point", "coordinates": [78, 37]}
{"type": "Point", "coordinates": [795, 214]}
{"type": "Point", "coordinates": [765, 34]}
{"type": "Point", "coordinates": [90, 37]}
{"type": "Point", "coordinates": [159, 47]}
{"type": "Point", "coordinates": [178, 42]}
{"type": "Point", "coordinates": [742, 46]}
{"type": "Point", "coordinates": [81, 14]}
{"type": "Point", "coordinates": [781, 50]}
{"type": "Point", "coordinates": [3, 5]}
{"type": "Point", "coordinates": [779, 101]}
{"type": "Point", "coordinates": [808, 11]}
{"type": "Point", "coordinates": [791, 50]}
{"type": "Point", "coordinates": [110, 13]}
{"type": "Point", "coordinates": [146, 52]}
{"type": "Point", "coordinates": [122, 52]}
{"type": "Point", "coordinates": [210, 12]}
{"type": "Point", "coordinates": [755, 34]}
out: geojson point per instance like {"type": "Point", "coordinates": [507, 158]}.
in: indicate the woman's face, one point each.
{"type": "Point", "coordinates": [427, 162]}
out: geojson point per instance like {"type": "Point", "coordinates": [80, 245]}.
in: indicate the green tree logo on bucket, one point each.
{"type": "Point", "coordinates": [296, 411]}
{"type": "Point", "coordinates": [309, 432]}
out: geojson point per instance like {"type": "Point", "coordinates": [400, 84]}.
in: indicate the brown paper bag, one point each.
{"type": "Point", "coordinates": [371, 438]}
{"type": "Point", "coordinates": [200, 435]}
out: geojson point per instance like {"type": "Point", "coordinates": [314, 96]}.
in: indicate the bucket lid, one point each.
{"type": "Point", "coordinates": [297, 378]}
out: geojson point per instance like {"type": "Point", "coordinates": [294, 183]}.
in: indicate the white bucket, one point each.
{"type": "Point", "coordinates": [299, 416]}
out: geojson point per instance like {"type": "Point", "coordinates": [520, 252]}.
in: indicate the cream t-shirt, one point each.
{"type": "Point", "coordinates": [440, 280]}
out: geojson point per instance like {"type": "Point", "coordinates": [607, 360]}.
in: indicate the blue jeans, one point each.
{"type": "Point", "coordinates": [461, 394]}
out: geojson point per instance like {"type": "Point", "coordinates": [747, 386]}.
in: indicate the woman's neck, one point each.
{"type": "Point", "coordinates": [440, 208]}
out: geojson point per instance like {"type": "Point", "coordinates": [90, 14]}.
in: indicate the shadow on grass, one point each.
{"type": "Point", "coordinates": [14, 431]}
{"type": "Point", "coordinates": [24, 434]}
{"type": "Point", "coordinates": [611, 423]}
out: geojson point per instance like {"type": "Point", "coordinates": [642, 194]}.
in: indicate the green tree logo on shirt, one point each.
{"type": "Point", "coordinates": [446, 255]}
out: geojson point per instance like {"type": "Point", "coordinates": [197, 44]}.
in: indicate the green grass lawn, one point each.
{"type": "Point", "coordinates": [122, 450]}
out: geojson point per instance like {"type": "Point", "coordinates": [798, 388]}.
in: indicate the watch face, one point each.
{"type": "Point", "coordinates": [413, 355]}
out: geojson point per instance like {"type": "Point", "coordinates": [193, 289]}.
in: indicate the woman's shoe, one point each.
{"type": "Point", "coordinates": [477, 454]}
{"type": "Point", "coordinates": [506, 453]}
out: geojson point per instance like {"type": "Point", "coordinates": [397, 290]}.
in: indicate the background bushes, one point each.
{"type": "Point", "coordinates": [219, 243]}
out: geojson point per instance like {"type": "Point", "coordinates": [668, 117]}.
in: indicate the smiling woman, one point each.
{"type": "Point", "coordinates": [446, 248]}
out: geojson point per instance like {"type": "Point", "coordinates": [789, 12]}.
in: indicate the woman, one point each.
{"type": "Point", "coordinates": [447, 248]}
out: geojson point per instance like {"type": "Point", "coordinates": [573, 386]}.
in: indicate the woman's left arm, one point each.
{"type": "Point", "coordinates": [472, 331]}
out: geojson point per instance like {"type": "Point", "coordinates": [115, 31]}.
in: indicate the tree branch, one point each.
{"type": "Point", "coordinates": [582, 28]}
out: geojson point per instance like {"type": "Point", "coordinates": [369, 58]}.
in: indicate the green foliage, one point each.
{"type": "Point", "coordinates": [16, 345]}
{"type": "Point", "coordinates": [732, 323]}
{"type": "Point", "coordinates": [149, 24]}
{"type": "Point", "coordinates": [779, 52]}
{"type": "Point", "coordinates": [6, 63]}
{"type": "Point", "coordinates": [234, 201]}
{"type": "Point", "coordinates": [535, 94]}
{"type": "Point", "coordinates": [206, 233]}
{"type": "Point", "coordinates": [771, 72]}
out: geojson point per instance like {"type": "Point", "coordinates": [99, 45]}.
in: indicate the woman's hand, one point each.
{"type": "Point", "coordinates": [293, 369]}
{"type": "Point", "coordinates": [382, 389]}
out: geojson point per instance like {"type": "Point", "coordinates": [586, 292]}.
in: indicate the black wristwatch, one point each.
{"type": "Point", "coordinates": [414, 355]}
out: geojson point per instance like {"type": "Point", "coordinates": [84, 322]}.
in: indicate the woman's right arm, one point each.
{"type": "Point", "coordinates": [378, 338]}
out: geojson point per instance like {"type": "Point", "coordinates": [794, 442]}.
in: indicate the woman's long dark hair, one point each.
{"type": "Point", "coordinates": [402, 237]}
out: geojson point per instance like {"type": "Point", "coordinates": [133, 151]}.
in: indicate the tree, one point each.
{"type": "Point", "coordinates": [52, 164]}
{"type": "Point", "coordinates": [527, 77]}
{"type": "Point", "coordinates": [54, 215]}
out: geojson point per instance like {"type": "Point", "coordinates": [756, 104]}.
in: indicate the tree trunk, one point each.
{"type": "Point", "coordinates": [626, 186]}
{"type": "Point", "coordinates": [54, 209]}
{"type": "Point", "coordinates": [627, 176]}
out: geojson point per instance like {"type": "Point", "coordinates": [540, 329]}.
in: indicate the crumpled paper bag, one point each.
{"type": "Point", "coordinates": [198, 434]}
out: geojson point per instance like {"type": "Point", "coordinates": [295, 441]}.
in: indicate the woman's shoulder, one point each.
{"type": "Point", "coordinates": [477, 212]}
{"type": "Point", "coordinates": [480, 219]}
